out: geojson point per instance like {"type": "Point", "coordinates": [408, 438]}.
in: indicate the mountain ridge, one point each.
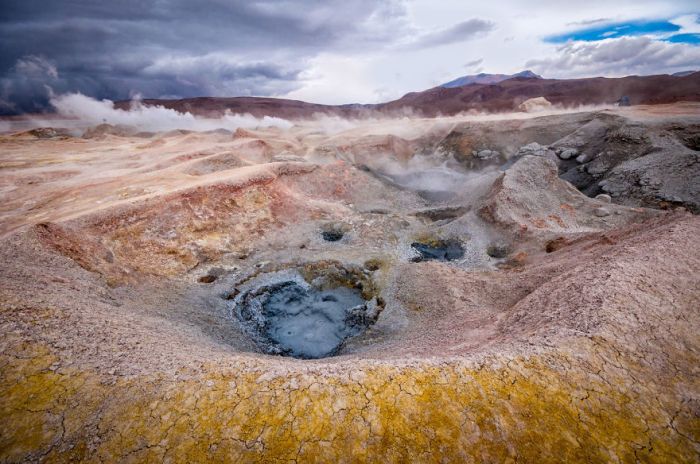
{"type": "Point", "coordinates": [503, 96]}
{"type": "Point", "coordinates": [485, 78]}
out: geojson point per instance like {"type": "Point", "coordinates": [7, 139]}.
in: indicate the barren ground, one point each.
{"type": "Point", "coordinates": [122, 254]}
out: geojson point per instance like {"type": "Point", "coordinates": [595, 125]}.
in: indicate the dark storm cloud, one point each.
{"type": "Point", "coordinates": [177, 48]}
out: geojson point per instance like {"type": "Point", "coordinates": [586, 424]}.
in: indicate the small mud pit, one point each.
{"type": "Point", "coordinates": [292, 317]}
{"type": "Point", "coordinates": [334, 231]}
{"type": "Point", "coordinates": [438, 250]}
{"type": "Point", "coordinates": [331, 235]}
{"type": "Point", "coordinates": [498, 250]}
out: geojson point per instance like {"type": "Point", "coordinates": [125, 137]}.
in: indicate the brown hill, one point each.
{"type": "Point", "coordinates": [503, 96]}
{"type": "Point", "coordinates": [507, 95]}
{"type": "Point", "coordinates": [257, 106]}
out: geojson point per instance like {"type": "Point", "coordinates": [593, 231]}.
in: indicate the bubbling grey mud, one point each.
{"type": "Point", "coordinates": [286, 315]}
{"type": "Point", "coordinates": [438, 250]}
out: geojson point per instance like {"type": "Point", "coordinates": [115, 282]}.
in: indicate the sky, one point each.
{"type": "Point", "coordinates": [332, 51]}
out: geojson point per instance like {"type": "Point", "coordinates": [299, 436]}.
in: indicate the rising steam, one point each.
{"type": "Point", "coordinates": [90, 112]}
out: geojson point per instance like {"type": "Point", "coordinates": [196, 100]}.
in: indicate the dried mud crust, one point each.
{"type": "Point", "coordinates": [579, 345]}
{"type": "Point", "coordinates": [488, 364]}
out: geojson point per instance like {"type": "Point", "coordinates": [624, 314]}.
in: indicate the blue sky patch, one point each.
{"type": "Point", "coordinates": [616, 30]}
{"type": "Point", "coordinates": [684, 38]}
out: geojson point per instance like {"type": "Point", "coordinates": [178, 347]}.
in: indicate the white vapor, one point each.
{"type": "Point", "coordinates": [91, 112]}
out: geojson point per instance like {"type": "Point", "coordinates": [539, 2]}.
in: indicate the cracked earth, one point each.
{"type": "Point", "coordinates": [577, 341]}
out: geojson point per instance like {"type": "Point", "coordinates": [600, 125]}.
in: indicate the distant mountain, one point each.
{"type": "Point", "coordinates": [509, 94]}
{"type": "Point", "coordinates": [683, 73]}
{"type": "Point", "coordinates": [502, 96]}
{"type": "Point", "coordinates": [484, 78]}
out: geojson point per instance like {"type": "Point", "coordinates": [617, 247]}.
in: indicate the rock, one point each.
{"type": "Point", "coordinates": [597, 168]}
{"type": "Point", "coordinates": [528, 199]}
{"type": "Point", "coordinates": [536, 149]}
{"type": "Point", "coordinates": [583, 158]}
{"type": "Point", "coordinates": [534, 146]}
{"type": "Point", "coordinates": [605, 198]}
{"type": "Point", "coordinates": [568, 153]}
{"type": "Point", "coordinates": [533, 105]}
{"type": "Point", "coordinates": [487, 154]}
{"type": "Point", "coordinates": [601, 212]}
{"type": "Point", "coordinates": [669, 174]}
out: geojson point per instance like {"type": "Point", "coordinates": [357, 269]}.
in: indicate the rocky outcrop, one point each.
{"type": "Point", "coordinates": [529, 199]}
{"type": "Point", "coordinates": [534, 105]}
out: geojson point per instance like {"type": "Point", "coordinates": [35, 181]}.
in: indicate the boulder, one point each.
{"type": "Point", "coordinates": [533, 105]}
{"type": "Point", "coordinates": [535, 149]}
{"type": "Point", "coordinates": [568, 153]}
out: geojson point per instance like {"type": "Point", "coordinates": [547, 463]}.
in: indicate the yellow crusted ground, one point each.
{"type": "Point", "coordinates": [523, 410]}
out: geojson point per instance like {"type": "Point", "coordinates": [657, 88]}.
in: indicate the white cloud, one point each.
{"type": "Point", "coordinates": [617, 57]}
{"type": "Point", "coordinates": [337, 79]}
{"type": "Point", "coordinates": [690, 24]}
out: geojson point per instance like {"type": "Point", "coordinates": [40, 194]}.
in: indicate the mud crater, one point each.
{"type": "Point", "coordinates": [437, 250]}
{"type": "Point", "coordinates": [307, 313]}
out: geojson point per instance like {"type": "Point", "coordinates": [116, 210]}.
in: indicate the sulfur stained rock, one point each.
{"type": "Point", "coordinates": [429, 413]}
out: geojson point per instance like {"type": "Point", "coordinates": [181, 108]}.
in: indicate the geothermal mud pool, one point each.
{"type": "Point", "coordinates": [289, 316]}
{"type": "Point", "coordinates": [441, 250]}
{"type": "Point", "coordinates": [466, 289]}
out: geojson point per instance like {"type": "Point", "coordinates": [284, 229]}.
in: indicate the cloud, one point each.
{"type": "Point", "coordinates": [35, 66]}
{"type": "Point", "coordinates": [26, 86]}
{"type": "Point", "coordinates": [689, 24]}
{"type": "Point", "coordinates": [459, 32]}
{"type": "Point", "coordinates": [330, 51]}
{"type": "Point", "coordinates": [617, 57]}
{"type": "Point", "coordinates": [614, 30]}
{"type": "Point", "coordinates": [226, 75]}
{"type": "Point", "coordinates": [178, 47]}
{"type": "Point", "coordinates": [474, 63]}
{"type": "Point", "coordinates": [588, 22]}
